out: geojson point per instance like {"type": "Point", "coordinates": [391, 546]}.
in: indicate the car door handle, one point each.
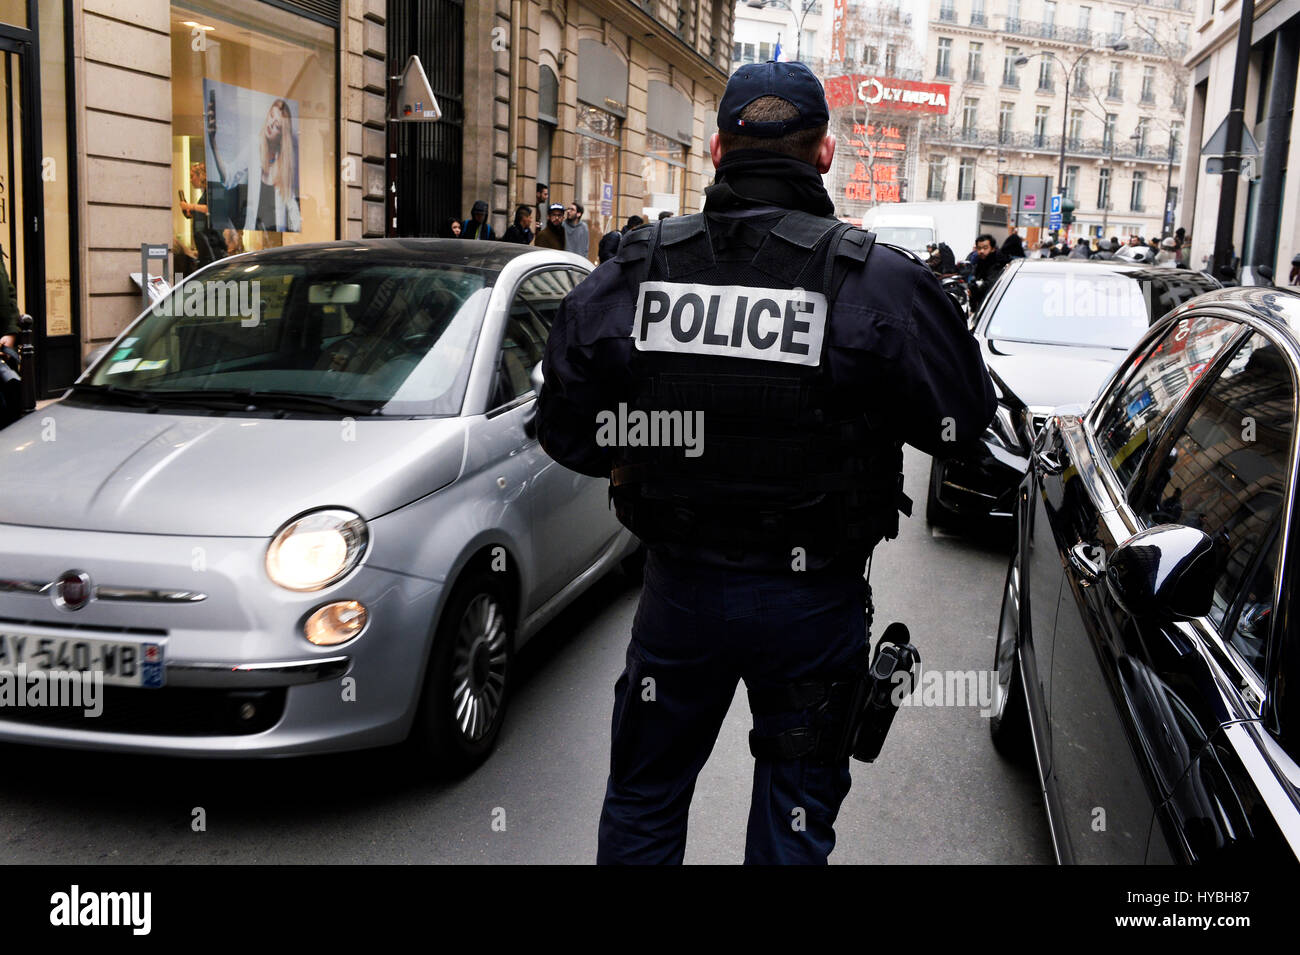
{"type": "Point", "coordinates": [1048, 462]}
{"type": "Point", "coordinates": [1083, 558]}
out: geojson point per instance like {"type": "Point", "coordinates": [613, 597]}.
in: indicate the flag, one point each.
{"type": "Point", "coordinates": [776, 54]}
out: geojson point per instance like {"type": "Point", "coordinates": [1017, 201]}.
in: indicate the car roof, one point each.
{"type": "Point", "coordinates": [1278, 308]}
{"type": "Point", "coordinates": [1137, 270]}
{"type": "Point", "coordinates": [470, 253]}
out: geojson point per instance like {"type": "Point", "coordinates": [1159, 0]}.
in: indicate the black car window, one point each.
{"type": "Point", "coordinates": [1226, 474]}
{"type": "Point", "coordinates": [1166, 289]}
{"type": "Point", "coordinates": [1131, 412]}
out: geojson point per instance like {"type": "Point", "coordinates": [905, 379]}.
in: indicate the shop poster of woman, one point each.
{"type": "Point", "coordinates": [252, 142]}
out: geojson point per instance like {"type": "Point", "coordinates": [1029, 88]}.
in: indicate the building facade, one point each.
{"type": "Point", "coordinates": [607, 102]}
{"type": "Point", "coordinates": [1122, 121]}
{"type": "Point", "coordinates": [1266, 221]}
{"type": "Point", "coordinates": [122, 116]}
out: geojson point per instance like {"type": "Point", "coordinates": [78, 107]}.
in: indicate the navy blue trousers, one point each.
{"type": "Point", "coordinates": [699, 631]}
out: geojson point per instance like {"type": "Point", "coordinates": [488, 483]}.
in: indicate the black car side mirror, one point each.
{"type": "Point", "coordinates": [1167, 571]}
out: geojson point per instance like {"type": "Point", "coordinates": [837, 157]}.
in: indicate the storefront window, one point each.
{"type": "Point", "coordinates": [596, 169]}
{"type": "Point", "coordinates": [663, 171]}
{"type": "Point", "coordinates": [254, 148]}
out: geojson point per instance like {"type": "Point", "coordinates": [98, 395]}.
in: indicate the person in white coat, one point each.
{"type": "Point", "coordinates": [268, 185]}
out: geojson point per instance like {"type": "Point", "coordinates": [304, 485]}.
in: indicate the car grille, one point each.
{"type": "Point", "coordinates": [167, 711]}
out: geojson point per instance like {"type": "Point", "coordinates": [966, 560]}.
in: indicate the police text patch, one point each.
{"type": "Point", "coordinates": [768, 324]}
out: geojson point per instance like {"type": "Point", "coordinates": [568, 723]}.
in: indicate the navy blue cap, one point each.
{"type": "Point", "coordinates": [793, 82]}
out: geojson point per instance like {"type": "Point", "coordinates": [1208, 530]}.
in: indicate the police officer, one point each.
{"type": "Point", "coordinates": [807, 354]}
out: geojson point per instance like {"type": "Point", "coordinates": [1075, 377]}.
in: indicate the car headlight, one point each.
{"type": "Point", "coordinates": [1003, 429]}
{"type": "Point", "coordinates": [315, 550]}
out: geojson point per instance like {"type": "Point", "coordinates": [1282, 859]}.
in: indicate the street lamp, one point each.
{"type": "Point", "coordinates": [1118, 46]}
{"type": "Point", "coordinates": [801, 14]}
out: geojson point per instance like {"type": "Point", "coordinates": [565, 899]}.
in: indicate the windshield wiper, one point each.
{"type": "Point", "coordinates": [246, 397]}
{"type": "Point", "coordinates": [114, 391]}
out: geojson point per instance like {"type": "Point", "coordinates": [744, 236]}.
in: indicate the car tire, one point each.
{"type": "Point", "coordinates": [467, 681]}
{"type": "Point", "coordinates": [1009, 719]}
{"type": "Point", "coordinates": [936, 514]}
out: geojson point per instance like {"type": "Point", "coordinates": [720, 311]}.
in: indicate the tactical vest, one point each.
{"type": "Point", "coordinates": [784, 461]}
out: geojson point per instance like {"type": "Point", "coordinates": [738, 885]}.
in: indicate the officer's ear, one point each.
{"type": "Point", "coordinates": [715, 150]}
{"type": "Point", "coordinates": [825, 154]}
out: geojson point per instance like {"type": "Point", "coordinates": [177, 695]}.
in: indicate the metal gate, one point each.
{"type": "Point", "coordinates": [429, 154]}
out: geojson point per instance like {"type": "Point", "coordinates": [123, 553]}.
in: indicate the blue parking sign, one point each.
{"type": "Point", "coordinates": [1054, 213]}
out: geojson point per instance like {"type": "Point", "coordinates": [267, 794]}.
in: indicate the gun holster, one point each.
{"type": "Point", "coordinates": [847, 717]}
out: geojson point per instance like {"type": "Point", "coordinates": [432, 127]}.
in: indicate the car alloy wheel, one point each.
{"type": "Point", "coordinates": [479, 663]}
{"type": "Point", "coordinates": [467, 685]}
{"type": "Point", "coordinates": [1008, 722]}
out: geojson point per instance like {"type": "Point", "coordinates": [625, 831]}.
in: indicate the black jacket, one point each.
{"type": "Point", "coordinates": [895, 341]}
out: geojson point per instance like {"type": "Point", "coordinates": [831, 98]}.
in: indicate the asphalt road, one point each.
{"type": "Point", "coordinates": [938, 794]}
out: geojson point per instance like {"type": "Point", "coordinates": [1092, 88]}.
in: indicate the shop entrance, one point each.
{"type": "Point", "coordinates": [21, 218]}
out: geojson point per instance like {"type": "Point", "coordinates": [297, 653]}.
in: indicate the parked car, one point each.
{"type": "Point", "coordinates": [1050, 331]}
{"type": "Point", "coordinates": [327, 524]}
{"type": "Point", "coordinates": [1146, 655]}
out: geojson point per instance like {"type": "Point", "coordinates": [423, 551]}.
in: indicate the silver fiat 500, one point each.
{"type": "Point", "coordinates": [299, 506]}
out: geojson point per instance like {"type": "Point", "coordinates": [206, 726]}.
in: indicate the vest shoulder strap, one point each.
{"type": "Point", "coordinates": [792, 244]}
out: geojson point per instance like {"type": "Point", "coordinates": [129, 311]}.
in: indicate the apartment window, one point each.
{"type": "Point", "coordinates": [736, 50]}
{"type": "Point", "coordinates": [1117, 23]}
{"type": "Point", "coordinates": [870, 56]}
{"type": "Point", "coordinates": [1010, 72]}
{"type": "Point", "coordinates": [1176, 137]}
{"type": "Point", "coordinates": [943, 65]}
{"type": "Point", "coordinates": [977, 15]}
{"type": "Point", "coordinates": [1103, 188]}
{"type": "Point", "coordinates": [975, 63]}
{"type": "Point", "coordinates": [1116, 78]}
{"type": "Point", "coordinates": [1085, 18]}
{"type": "Point", "coordinates": [969, 110]}
{"type": "Point", "coordinates": [746, 52]}
{"type": "Point", "coordinates": [1045, 68]}
{"type": "Point", "coordinates": [1013, 10]}
{"type": "Point", "coordinates": [934, 182]}
{"type": "Point", "coordinates": [1049, 15]}
{"type": "Point", "coordinates": [947, 11]}
{"type": "Point", "coordinates": [891, 59]}
{"type": "Point", "coordinates": [1182, 34]}
{"type": "Point", "coordinates": [1148, 84]}
{"type": "Point", "coordinates": [809, 43]}
{"type": "Point", "coordinates": [764, 52]}
{"type": "Point", "coordinates": [1005, 112]}
{"type": "Point", "coordinates": [1081, 76]}
{"type": "Point", "coordinates": [1108, 131]}
{"type": "Point", "coordinates": [1143, 131]}
{"type": "Point", "coordinates": [1072, 182]}
{"type": "Point", "coordinates": [1135, 195]}
{"type": "Point", "coordinates": [966, 180]}
{"type": "Point", "coordinates": [1040, 125]}
{"type": "Point", "coordinates": [1076, 125]}
{"type": "Point", "coordinates": [1180, 98]}
{"type": "Point", "coordinates": [851, 50]}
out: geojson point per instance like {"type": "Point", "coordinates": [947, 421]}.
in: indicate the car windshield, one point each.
{"type": "Point", "coordinates": [1094, 309]}
{"type": "Point", "coordinates": [917, 237]}
{"type": "Point", "coordinates": [319, 336]}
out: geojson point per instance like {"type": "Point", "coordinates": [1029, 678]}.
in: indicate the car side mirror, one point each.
{"type": "Point", "coordinates": [1167, 571]}
{"type": "Point", "coordinates": [535, 376]}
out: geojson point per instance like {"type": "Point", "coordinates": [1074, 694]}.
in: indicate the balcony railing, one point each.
{"type": "Point", "coordinates": [1115, 93]}
{"type": "Point", "coordinates": [943, 72]}
{"type": "Point", "coordinates": [1051, 31]}
{"type": "Point", "coordinates": [948, 14]}
{"type": "Point", "coordinates": [1046, 86]}
{"type": "Point", "coordinates": [979, 20]}
{"type": "Point", "coordinates": [1080, 90]}
{"type": "Point", "coordinates": [1046, 143]}
{"type": "Point", "coordinates": [975, 76]}
{"type": "Point", "coordinates": [1011, 82]}
{"type": "Point", "coordinates": [1148, 99]}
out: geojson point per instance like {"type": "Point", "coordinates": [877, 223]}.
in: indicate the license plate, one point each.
{"type": "Point", "coordinates": [123, 663]}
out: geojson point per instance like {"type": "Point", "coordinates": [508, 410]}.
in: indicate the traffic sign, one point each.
{"type": "Point", "coordinates": [1054, 213]}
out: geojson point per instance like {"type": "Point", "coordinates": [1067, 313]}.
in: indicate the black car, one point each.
{"type": "Point", "coordinates": [1147, 630]}
{"type": "Point", "coordinates": [1051, 331]}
